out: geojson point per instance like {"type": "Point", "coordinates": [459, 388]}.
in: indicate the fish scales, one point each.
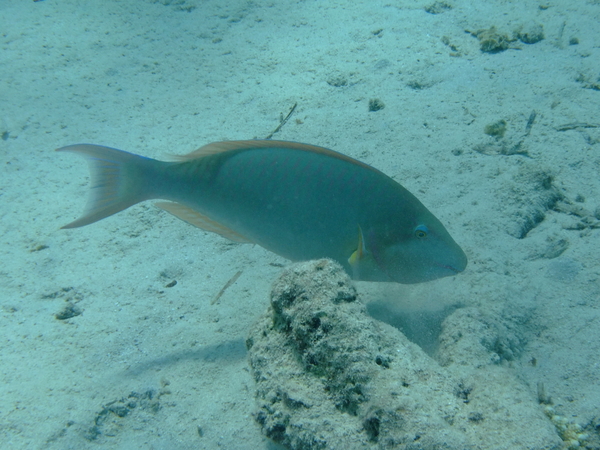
{"type": "Point", "coordinates": [300, 209]}
{"type": "Point", "coordinates": [288, 208]}
{"type": "Point", "coordinates": [297, 200]}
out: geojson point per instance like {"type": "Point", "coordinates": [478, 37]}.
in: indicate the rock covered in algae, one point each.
{"type": "Point", "coordinates": [328, 376]}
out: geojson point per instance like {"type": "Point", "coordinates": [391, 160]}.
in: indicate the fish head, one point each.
{"type": "Point", "coordinates": [415, 252]}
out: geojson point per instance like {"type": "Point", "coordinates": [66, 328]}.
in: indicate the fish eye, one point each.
{"type": "Point", "coordinates": [421, 231]}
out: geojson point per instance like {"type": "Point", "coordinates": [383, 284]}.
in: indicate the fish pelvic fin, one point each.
{"type": "Point", "coordinates": [118, 181]}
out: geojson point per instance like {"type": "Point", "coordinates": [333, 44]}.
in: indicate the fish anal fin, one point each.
{"type": "Point", "coordinates": [201, 221]}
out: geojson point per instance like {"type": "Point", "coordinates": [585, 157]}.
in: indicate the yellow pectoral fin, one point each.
{"type": "Point", "coordinates": [363, 264]}
{"type": "Point", "coordinates": [354, 257]}
{"type": "Point", "coordinates": [201, 221]}
{"type": "Point", "coordinates": [358, 255]}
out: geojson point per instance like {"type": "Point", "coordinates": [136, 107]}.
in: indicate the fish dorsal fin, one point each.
{"type": "Point", "coordinates": [201, 221]}
{"type": "Point", "coordinates": [225, 146]}
{"type": "Point", "coordinates": [210, 149]}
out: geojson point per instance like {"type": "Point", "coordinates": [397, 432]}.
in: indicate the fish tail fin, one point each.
{"type": "Point", "coordinates": [118, 181]}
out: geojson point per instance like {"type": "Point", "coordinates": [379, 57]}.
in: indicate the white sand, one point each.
{"type": "Point", "coordinates": [155, 78]}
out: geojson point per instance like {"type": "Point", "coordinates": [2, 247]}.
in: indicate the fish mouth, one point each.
{"type": "Point", "coordinates": [450, 268]}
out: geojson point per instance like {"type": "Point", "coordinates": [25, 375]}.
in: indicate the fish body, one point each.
{"type": "Point", "coordinates": [299, 201]}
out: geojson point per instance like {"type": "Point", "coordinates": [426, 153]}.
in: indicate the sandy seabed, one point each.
{"type": "Point", "coordinates": [493, 128]}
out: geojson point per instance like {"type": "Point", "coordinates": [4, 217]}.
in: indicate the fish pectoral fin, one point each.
{"type": "Point", "coordinates": [358, 256]}
{"type": "Point", "coordinates": [359, 253]}
{"type": "Point", "coordinates": [201, 221]}
{"type": "Point", "coordinates": [363, 264]}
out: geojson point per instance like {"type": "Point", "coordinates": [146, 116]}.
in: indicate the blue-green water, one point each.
{"type": "Point", "coordinates": [110, 335]}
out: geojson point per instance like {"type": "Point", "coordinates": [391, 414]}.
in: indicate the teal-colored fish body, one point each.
{"type": "Point", "coordinates": [299, 201]}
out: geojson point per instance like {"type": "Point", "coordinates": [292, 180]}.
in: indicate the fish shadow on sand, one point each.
{"type": "Point", "coordinates": [224, 352]}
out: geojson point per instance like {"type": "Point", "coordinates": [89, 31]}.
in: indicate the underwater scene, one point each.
{"type": "Point", "coordinates": [300, 224]}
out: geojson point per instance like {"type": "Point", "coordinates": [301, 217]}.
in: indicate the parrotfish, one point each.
{"type": "Point", "coordinates": [297, 200]}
